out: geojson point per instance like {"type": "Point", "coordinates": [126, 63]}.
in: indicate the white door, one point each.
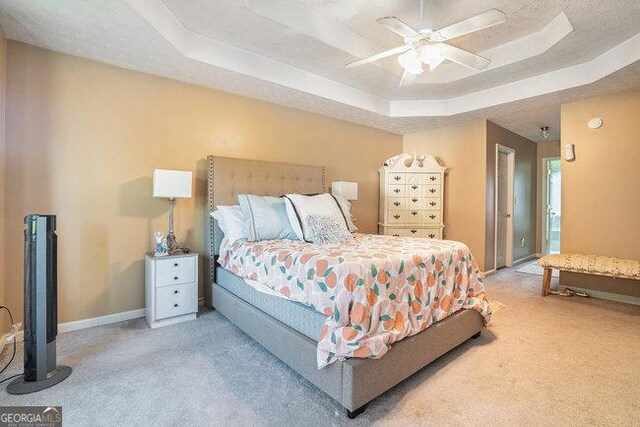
{"type": "Point", "coordinates": [502, 210]}
{"type": "Point", "coordinates": [553, 207]}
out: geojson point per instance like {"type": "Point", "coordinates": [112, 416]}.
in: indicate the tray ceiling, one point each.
{"type": "Point", "coordinates": [293, 52]}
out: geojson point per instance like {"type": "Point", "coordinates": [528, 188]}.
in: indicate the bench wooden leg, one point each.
{"type": "Point", "coordinates": [546, 281]}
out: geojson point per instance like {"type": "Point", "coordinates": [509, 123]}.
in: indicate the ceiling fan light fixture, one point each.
{"type": "Point", "coordinates": [411, 61]}
{"type": "Point", "coordinates": [431, 56]}
{"type": "Point", "coordinates": [545, 133]}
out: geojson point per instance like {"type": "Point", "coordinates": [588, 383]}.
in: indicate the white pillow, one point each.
{"type": "Point", "coordinates": [265, 218]}
{"type": "Point", "coordinates": [231, 222]}
{"type": "Point", "coordinates": [345, 206]}
{"type": "Point", "coordinates": [300, 207]}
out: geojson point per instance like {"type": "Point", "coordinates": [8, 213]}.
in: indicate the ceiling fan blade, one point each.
{"type": "Point", "coordinates": [462, 57]}
{"type": "Point", "coordinates": [407, 78]}
{"type": "Point", "coordinates": [397, 26]}
{"type": "Point", "coordinates": [484, 20]}
{"type": "Point", "coordinates": [386, 53]}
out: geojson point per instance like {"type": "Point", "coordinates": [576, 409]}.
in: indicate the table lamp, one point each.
{"type": "Point", "coordinates": [348, 190]}
{"type": "Point", "coordinates": [171, 185]}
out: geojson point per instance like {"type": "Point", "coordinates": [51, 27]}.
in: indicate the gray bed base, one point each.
{"type": "Point", "coordinates": [354, 382]}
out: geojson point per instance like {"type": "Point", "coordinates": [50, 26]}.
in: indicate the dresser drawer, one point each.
{"type": "Point", "coordinates": [433, 178]}
{"type": "Point", "coordinates": [397, 232]}
{"type": "Point", "coordinates": [432, 217]}
{"type": "Point", "coordinates": [176, 300]}
{"type": "Point", "coordinates": [415, 202]}
{"type": "Point", "coordinates": [397, 191]}
{"type": "Point", "coordinates": [415, 178]}
{"type": "Point", "coordinates": [430, 233]}
{"type": "Point", "coordinates": [415, 190]}
{"type": "Point", "coordinates": [415, 216]}
{"type": "Point", "coordinates": [398, 217]}
{"type": "Point", "coordinates": [175, 271]}
{"type": "Point", "coordinates": [397, 178]}
{"type": "Point", "coordinates": [432, 190]}
{"type": "Point", "coordinates": [432, 204]}
{"type": "Point", "coordinates": [397, 204]}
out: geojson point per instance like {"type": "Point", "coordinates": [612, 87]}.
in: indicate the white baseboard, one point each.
{"type": "Point", "coordinates": [94, 321]}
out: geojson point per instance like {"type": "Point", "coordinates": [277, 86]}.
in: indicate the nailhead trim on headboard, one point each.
{"type": "Point", "coordinates": [228, 177]}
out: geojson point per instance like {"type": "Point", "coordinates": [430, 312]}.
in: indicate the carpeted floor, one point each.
{"type": "Point", "coordinates": [544, 361]}
{"type": "Point", "coordinates": [532, 267]}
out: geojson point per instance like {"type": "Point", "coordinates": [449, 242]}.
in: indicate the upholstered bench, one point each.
{"type": "Point", "coordinates": [588, 264]}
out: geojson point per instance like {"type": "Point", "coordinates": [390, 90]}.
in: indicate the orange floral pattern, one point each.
{"type": "Point", "coordinates": [374, 290]}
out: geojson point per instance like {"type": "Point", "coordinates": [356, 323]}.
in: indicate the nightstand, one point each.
{"type": "Point", "coordinates": [171, 289]}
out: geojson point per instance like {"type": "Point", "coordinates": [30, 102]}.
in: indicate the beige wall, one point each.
{"type": "Point", "coordinates": [545, 150]}
{"type": "Point", "coordinates": [462, 149]}
{"type": "Point", "coordinates": [3, 65]}
{"type": "Point", "coordinates": [83, 139]}
{"type": "Point", "coordinates": [601, 188]}
{"type": "Point", "coordinates": [524, 191]}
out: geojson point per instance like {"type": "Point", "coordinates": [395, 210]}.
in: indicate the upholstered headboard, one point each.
{"type": "Point", "coordinates": [229, 177]}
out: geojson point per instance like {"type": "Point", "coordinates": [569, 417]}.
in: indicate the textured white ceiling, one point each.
{"type": "Point", "coordinates": [110, 31]}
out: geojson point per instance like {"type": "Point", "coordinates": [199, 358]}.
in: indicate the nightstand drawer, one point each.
{"type": "Point", "coordinates": [175, 271]}
{"type": "Point", "coordinates": [176, 300]}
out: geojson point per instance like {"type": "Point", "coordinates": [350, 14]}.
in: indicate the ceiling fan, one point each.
{"type": "Point", "coordinates": [429, 47]}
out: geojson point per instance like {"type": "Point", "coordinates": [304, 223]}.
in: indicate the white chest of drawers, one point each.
{"type": "Point", "coordinates": [171, 289]}
{"type": "Point", "coordinates": [412, 198]}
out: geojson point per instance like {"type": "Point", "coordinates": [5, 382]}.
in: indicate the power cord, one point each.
{"type": "Point", "coordinates": [13, 355]}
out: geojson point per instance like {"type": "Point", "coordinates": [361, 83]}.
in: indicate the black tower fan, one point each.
{"type": "Point", "coordinates": [40, 307]}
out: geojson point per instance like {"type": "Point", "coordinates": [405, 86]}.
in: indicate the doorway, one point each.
{"type": "Point", "coordinates": [552, 205]}
{"type": "Point", "coordinates": [505, 172]}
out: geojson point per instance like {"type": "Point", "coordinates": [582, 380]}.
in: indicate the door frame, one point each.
{"type": "Point", "coordinates": [543, 185]}
{"type": "Point", "coordinates": [511, 171]}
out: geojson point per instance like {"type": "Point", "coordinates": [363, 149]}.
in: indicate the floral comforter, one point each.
{"type": "Point", "coordinates": [374, 290]}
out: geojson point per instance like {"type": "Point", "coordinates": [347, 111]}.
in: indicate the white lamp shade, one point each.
{"type": "Point", "coordinates": [172, 184]}
{"type": "Point", "coordinates": [348, 190]}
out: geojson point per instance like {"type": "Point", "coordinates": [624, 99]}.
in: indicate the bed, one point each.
{"type": "Point", "coordinates": [291, 330]}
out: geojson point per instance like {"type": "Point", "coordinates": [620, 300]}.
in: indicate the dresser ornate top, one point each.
{"type": "Point", "coordinates": [412, 197]}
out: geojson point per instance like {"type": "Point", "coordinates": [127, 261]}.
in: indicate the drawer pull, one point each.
{"type": "Point", "coordinates": [396, 235]}
{"type": "Point", "coordinates": [397, 178]}
{"type": "Point", "coordinates": [432, 216]}
{"type": "Point", "coordinates": [432, 235]}
{"type": "Point", "coordinates": [175, 277]}
{"type": "Point", "coordinates": [175, 305]}
{"type": "Point", "coordinates": [414, 231]}
{"type": "Point", "coordinates": [396, 190]}
{"type": "Point", "coordinates": [432, 178]}
{"type": "Point", "coordinates": [176, 291]}
{"type": "Point", "coordinates": [432, 203]}
{"type": "Point", "coordinates": [414, 200]}
{"type": "Point", "coordinates": [396, 216]}
{"type": "Point", "coordinates": [415, 187]}
{"type": "Point", "coordinates": [396, 203]}
{"type": "Point", "coordinates": [414, 213]}
{"type": "Point", "coordinates": [175, 264]}
{"type": "Point", "coordinates": [432, 190]}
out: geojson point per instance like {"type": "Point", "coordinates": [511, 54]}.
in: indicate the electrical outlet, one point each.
{"type": "Point", "coordinates": [522, 242]}
{"type": "Point", "coordinates": [9, 336]}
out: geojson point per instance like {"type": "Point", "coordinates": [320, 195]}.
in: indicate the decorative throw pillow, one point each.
{"type": "Point", "coordinates": [327, 229]}
{"type": "Point", "coordinates": [300, 207]}
{"type": "Point", "coordinates": [230, 221]}
{"type": "Point", "coordinates": [345, 207]}
{"type": "Point", "coordinates": [265, 218]}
